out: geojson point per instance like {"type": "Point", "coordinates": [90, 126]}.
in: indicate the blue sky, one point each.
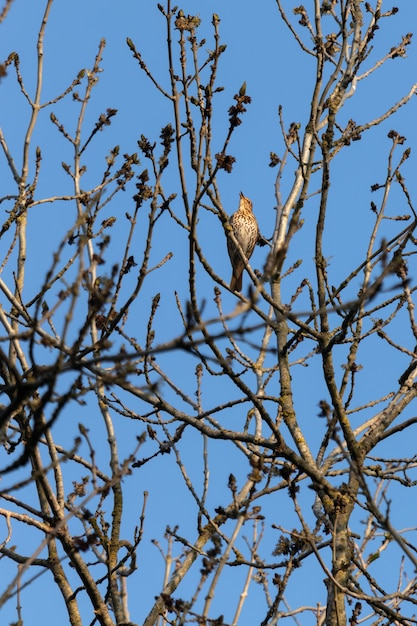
{"type": "Point", "coordinates": [261, 52]}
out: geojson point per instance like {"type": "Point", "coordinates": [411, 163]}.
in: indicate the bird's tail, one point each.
{"type": "Point", "coordinates": [236, 282]}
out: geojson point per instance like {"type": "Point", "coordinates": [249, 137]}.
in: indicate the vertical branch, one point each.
{"type": "Point", "coordinates": [175, 98]}
{"type": "Point", "coordinates": [21, 222]}
{"type": "Point", "coordinates": [78, 150]}
{"type": "Point", "coordinates": [222, 562]}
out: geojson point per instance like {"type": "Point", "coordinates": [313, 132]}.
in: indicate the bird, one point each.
{"type": "Point", "coordinates": [245, 229]}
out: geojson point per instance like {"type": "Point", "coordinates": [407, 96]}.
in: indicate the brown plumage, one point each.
{"type": "Point", "coordinates": [246, 232]}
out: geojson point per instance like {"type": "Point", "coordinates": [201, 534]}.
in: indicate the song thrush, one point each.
{"type": "Point", "coordinates": [246, 232]}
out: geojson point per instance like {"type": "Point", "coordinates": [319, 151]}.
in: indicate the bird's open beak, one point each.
{"type": "Point", "coordinates": [241, 194]}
